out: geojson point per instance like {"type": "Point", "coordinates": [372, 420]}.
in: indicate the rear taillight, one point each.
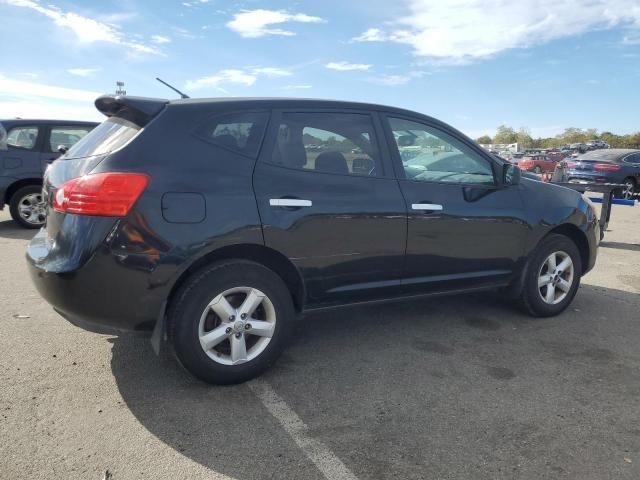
{"type": "Point", "coordinates": [606, 167]}
{"type": "Point", "coordinates": [101, 194]}
{"type": "Point", "coordinates": [571, 164]}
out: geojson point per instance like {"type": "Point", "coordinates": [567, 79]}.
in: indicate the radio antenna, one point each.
{"type": "Point", "coordinates": [183, 95]}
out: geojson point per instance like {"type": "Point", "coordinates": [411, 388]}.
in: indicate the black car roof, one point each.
{"type": "Point", "coordinates": [288, 102]}
{"type": "Point", "coordinates": [609, 155]}
{"type": "Point", "coordinates": [30, 121]}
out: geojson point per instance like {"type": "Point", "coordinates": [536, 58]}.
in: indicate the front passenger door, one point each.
{"type": "Point", "coordinates": [464, 228]}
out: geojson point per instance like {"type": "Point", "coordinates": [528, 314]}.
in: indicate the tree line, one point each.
{"type": "Point", "coordinates": [506, 134]}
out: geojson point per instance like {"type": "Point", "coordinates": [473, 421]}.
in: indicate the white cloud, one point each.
{"type": "Point", "coordinates": [86, 29]}
{"type": "Point", "coordinates": [245, 77]}
{"type": "Point", "coordinates": [371, 35]}
{"type": "Point", "coordinates": [257, 23]}
{"type": "Point", "coordinates": [346, 66]}
{"type": "Point", "coordinates": [160, 39]}
{"type": "Point", "coordinates": [459, 31]}
{"type": "Point", "coordinates": [239, 77]}
{"type": "Point", "coordinates": [297, 87]}
{"type": "Point", "coordinates": [271, 71]}
{"type": "Point", "coordinates": [31, 99]}
{"type": "Point", "coordinates": [82, 72]}
{"type": "Point", "coordinates": [395, 80]}
{"type": "Point", "coordinates": [19, 88]}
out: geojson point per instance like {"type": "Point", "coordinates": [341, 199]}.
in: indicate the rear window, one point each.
{"type": "Point", "coordinates": [107, 137]}
{"type": "Point", "coordinates": [241, 132]}
{"type": "Point", "coordinates": [21, 137]}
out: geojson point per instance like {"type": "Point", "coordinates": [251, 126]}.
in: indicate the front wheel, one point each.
{"type": "Point", "coordinates": [552, 277]}
{"type": "Point", "coordinates": [231, 321]}
{"type": "Point", "coordinates": [27, 207]}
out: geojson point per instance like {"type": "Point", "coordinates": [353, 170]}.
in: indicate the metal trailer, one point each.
{"type": "Point", "coordinates": [606, 189]}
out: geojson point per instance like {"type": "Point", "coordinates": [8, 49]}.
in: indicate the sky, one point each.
{"type": "Point", "coordinates": [475, 64]}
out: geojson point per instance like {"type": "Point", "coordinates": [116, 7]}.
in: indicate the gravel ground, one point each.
{"type": "Point", "coordinates": [459, 387]}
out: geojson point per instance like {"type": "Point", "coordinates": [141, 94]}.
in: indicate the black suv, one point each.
{"type": "Point", "coordinates": [213, 223]}
{"type": "Point", "coordinates": [27, 147]}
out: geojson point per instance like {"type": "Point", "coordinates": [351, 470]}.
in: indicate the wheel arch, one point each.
{"type": "Point", "coordinates": [577, 236]}
{"type": "Point", "coordinates": [268, 257]}
{"type": "Point", "coordinates": [18, 184]}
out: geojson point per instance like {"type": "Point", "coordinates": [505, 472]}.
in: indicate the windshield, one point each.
{"type": "Point", "coordinates": [107, 137]}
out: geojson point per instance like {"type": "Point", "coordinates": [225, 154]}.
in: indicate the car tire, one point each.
{"type": "Point", "coordinates": [537, 170]}
{"type": "Point", "coordinates": [207, 335]}
{"type": "Point", "coordinates": [629, 189]}
{"type": "Point", "coordinates": [26, 207]}
{"type": "Point", "coordinates": [547, 292]}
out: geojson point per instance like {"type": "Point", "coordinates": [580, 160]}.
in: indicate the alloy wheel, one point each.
{"type": "Point", "coordinates": [237, 325]}
{"type": "Point", "coordinates": [32, 209]}
{"type": "Point", "coordinates": [555, 277]}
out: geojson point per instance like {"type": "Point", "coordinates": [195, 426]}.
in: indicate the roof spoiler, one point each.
{"type": "Point", "coordinates": [139, 110]}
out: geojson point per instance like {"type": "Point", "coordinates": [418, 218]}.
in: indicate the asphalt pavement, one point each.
{"type": "Point", "coordinates": [460, 387]}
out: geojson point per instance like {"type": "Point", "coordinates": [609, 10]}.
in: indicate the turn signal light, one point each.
{"type": "Point", "coordinates": [102, 194]}
{"type": "Point", "coordinates": [606, 167]}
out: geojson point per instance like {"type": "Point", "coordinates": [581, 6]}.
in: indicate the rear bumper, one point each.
{"type": "Point", "coordinates": [100, 293]}
{"type": "Point", "coordinates": [588, 177]}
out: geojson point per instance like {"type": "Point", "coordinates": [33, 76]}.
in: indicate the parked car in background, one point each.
{"type": "Point", "coordinates": [538, 163]}
{"type": "Point", "coordinates": [27, 147]}
{"type": "Point", "coordinates": [579, 147]}
{"type": "Point", "coordinates": [615, 165]}
{"type": "Point", "coordinates": [209, 221]}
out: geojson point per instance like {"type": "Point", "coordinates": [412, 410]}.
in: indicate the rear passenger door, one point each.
{"type": "Point", "coordinates": [329, 202]}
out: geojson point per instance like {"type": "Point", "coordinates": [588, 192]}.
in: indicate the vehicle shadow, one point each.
{"type": "Point", "coordinates": [634, 247]}
{"type": "Point", "coordinates": [10, 229]}
{"type": "Point", "coordinates": [399, 390]}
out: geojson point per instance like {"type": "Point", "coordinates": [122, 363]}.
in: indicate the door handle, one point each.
{"type": "Point", "coordinates": [427, 207]}
{"type": "Point", "coordinates": [289, 202]}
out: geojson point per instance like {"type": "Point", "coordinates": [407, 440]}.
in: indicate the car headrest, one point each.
{"type": "Point", "coordinates": [332, 162]}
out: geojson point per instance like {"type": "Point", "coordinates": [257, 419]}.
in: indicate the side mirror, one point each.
{"type": "Point", "coordinates": [511, 174]}
{"type": "Point", "coordinates": [62, 149]}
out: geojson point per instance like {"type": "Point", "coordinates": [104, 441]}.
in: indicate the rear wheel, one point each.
{"type": "Point", "coordinates": [27, 207]}
{"type": "Point", "coordinates": [230, 322]}
{"type": "Point", "coordinates": [552, 277]}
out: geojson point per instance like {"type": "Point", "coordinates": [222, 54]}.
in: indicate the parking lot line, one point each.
{"type": "Point", "coordinates": [323, 458]}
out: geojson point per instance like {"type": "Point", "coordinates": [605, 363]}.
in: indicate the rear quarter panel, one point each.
{"type": "Point", "coordinates": [183, 166]}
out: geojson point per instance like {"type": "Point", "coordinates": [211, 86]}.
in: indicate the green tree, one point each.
{"type": "Point", "coordinates": [523, 137]}
{"type": "Point", "coordinates": [505, 134]}
{"type": "Point", "coordinates": [484, 139]}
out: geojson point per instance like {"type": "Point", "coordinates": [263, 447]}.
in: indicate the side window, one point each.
{"type": "Point", "coordinates": [240, 131]}
{"type": "Point", "coordinates": [23, 137]}
{"type": "Point", "coordinates": [342, 143]}
{"type": "Point", "coordinates": [65, 136]}
{"type": "Point", "coordinates": [633, 159]}
{"type": "Point", "coordinates": [430, 155]}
